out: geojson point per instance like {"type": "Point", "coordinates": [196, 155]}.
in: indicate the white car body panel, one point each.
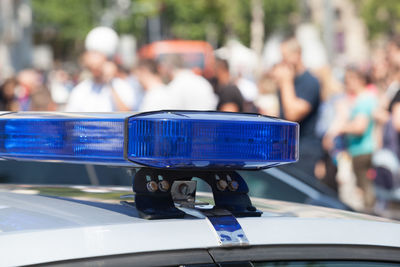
{"type": "Point", "coordinates": [38, 229]}
{"type": "Point", "coordinates": [50, 245]}
{"type": "Point", "coordinates": [320, 231]}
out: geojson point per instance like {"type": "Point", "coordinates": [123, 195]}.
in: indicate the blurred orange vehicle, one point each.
{"type": "Point", "coordinates": [197, 55]}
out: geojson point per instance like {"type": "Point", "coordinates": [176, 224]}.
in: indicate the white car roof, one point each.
{"type": "Point", "coordinates": [44, 226]}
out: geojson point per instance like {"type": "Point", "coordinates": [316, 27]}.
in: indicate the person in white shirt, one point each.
{"type": "Point", "coordinates": [156, 96]}
{"type": "Point", "coordinates": [102, 92]}
{"type": "Point", "coordinates": [188, 90]}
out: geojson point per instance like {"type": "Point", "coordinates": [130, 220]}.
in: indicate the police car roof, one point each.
{"type": "Point", "coordinates": [34, 223]}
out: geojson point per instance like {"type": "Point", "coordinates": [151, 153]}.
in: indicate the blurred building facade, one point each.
{"type": "Point", "coordinates": [348, 35]}
{"type": "Point", "coordinates": [15, 36]}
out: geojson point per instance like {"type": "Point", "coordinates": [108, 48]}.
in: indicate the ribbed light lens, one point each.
{"type": "Point", "coordinates": [211, 140]}
{"type": "Point", "coordinates": [177, 140]}
{"type": "Point", "coordinates": [63, 137]}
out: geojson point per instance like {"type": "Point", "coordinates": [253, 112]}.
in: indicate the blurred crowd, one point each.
{"type": "Point", "coordinates": [349, 124]}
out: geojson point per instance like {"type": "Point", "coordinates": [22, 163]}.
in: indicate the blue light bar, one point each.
{"type": "Point", "coordinates": [63, 137]}
{"type": "Point", "coordinates": [211, 140]}
{"type": "Point", "coordinates": [175, 140]}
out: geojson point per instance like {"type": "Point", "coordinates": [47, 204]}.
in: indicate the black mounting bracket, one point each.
{"type": "Point", "coordinates": [153, 197]}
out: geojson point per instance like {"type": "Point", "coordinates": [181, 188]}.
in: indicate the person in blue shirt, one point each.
{"type": "Point", "coordinates": [299, 98]}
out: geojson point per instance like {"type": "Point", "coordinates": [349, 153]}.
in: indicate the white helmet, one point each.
{"type": "Point", "coordinates": [103, 40]}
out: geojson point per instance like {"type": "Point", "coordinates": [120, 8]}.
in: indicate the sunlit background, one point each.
{"type": "Point", "coordinates": [44, 33]}
{"type": "Point", "coordinates": [345, 46]}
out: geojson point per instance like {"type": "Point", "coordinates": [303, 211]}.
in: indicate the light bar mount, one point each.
{"type": "Point", "coordinates": [153, 198]}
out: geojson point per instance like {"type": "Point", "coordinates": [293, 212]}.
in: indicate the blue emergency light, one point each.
{"type": "Point", "coordinates": [173, 145]}
{"type": "Point", "coordinates": [164, 139]}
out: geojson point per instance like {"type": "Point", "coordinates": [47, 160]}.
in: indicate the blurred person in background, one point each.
{"type": "Point", "coordinates": [156, 96]}
{"type": "Point", "coordinates": [267, 100]}
{"type": "Point", "coordinates": [358, 130]}
{"type": "Point", "coordinates": [29, 81]}
{"type": "Point", "coordinates": [187, 90]}
{"type": "Point", "coordinates": [229, 96]}
{"type": "Point", "coordinates": [41, 100]}
{"type": "Point", "coordinates": [249, 91]}
{"type": "Point", "coordinates": [299, 98]}
{"type": "Point", "coordinates": [247, 88]}
{"type": "Point", "coordinates": [331, 113]}
{"type": "Point", "coordinates": [386, 158]}
{"type": "Point", "coordinates": [380, 69]}
{"type": "Point", "coordinates": [335, 168]}
{"type": "Point", "coordinates": [130, 76]}
{"type": "Point", "coordinates": [60, 84]}
{"type": "Point", "coordinates": [8, 100]}
{"type": "Point", "coordinates": [393, 55]}
{"type": "Point", "coordinates": [102, 91]}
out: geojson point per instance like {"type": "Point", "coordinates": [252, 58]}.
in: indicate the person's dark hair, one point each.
{"type": "Point", "coordinates": [9, 82]}
{"type": "Point", "coordinates": [7, 97]}
{"type": "Point", "coordinates": [149, 64]}
{"type": "Point", "coordinates": [361, 74]}
{"type": "Point", "coordinates": [230, 94]}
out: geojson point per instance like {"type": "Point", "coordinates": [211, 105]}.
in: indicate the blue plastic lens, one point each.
{"type": "Point", "coordinates": [208, 140]}
{"type": "Point", "coordinates": [97, 138]}
{"type": "Point", "coordinates": [211, 140]}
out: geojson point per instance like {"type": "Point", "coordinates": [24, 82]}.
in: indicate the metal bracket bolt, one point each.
{"type": "Point", "coordinates": [152, 186]}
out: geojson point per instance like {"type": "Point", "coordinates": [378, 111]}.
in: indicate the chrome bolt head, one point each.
{"type": "Point", "coordinates": [233, 186]}
{"type": "Point", "coordinates": [163, 186]}
{"type": "Point", "coordinates": [222, 185]}
{"type": "Point", "coordinates": [152, 186]}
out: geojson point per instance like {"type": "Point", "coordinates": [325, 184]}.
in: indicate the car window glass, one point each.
{"type": "Point", "coordinates": [264, 185]}
{"type": "Point", "coordinates": [61, 173]}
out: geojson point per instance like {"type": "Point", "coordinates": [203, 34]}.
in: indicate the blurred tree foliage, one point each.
{"type": "Point", "coordinates": [65, 24]}
{"type": "Point", "coordinates": [382, 17]}
{"type": "Point", "coordinates": [277, 15]}
{"type": "Point", "coordinates": [68, 19]}
{"type": "Point", "coordinates": [205, 19]}
{"type": "Point", "coordinates": [200, 19]}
